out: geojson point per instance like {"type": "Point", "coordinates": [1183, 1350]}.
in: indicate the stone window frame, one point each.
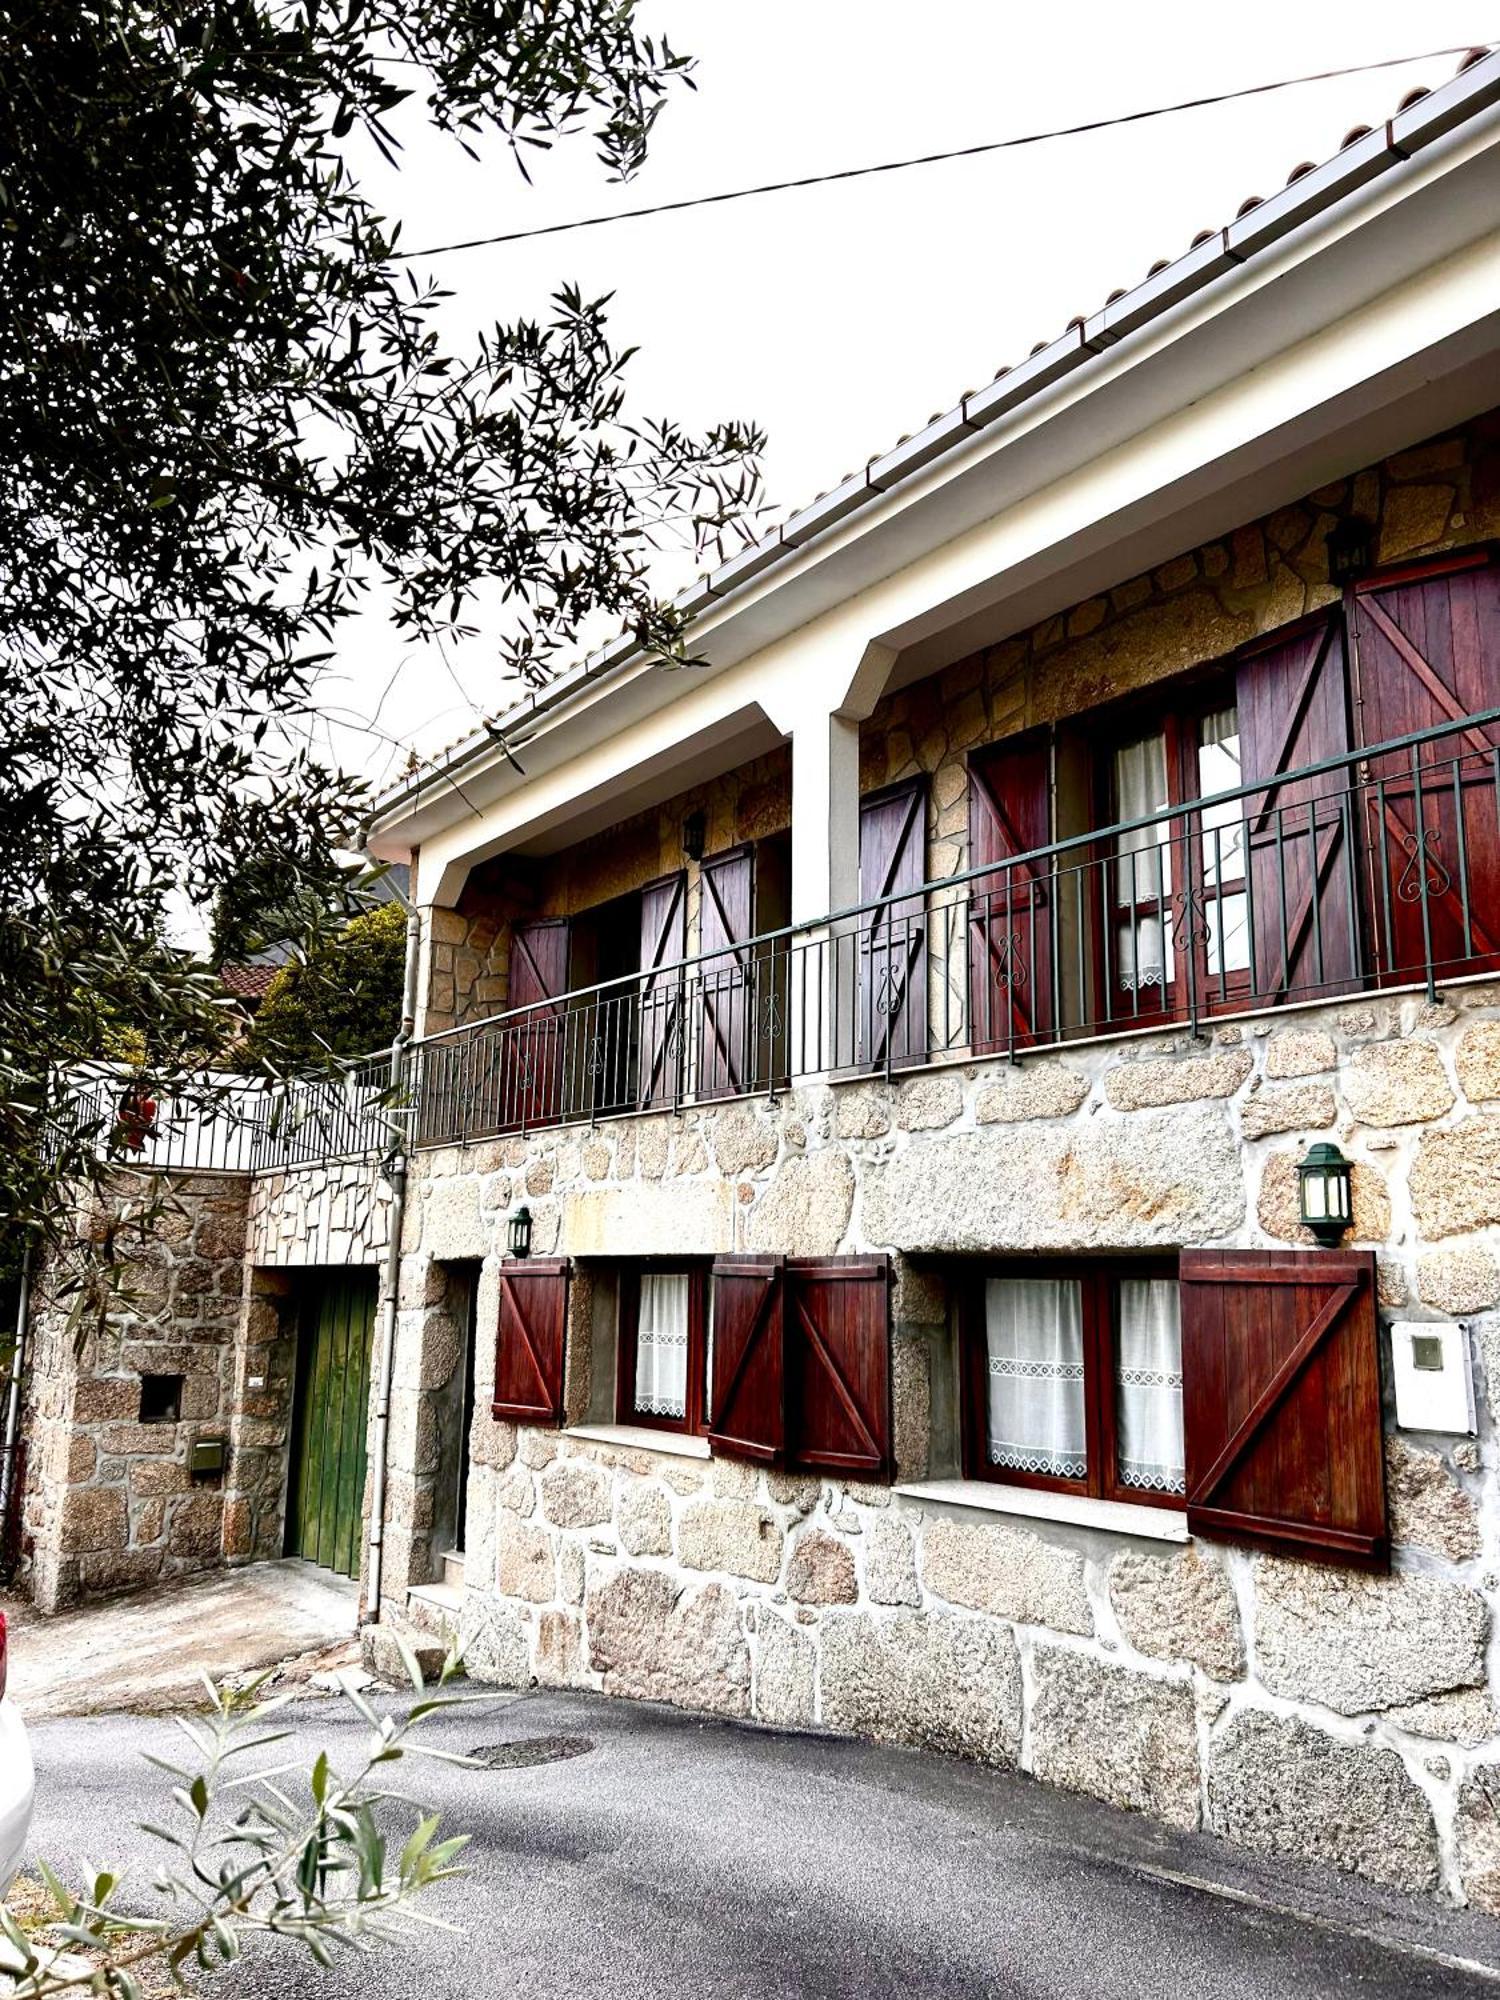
{"type": "Point", "coordinates": [1099, 1279]}
{"type": "Point", "coordinates": [628, 1274]}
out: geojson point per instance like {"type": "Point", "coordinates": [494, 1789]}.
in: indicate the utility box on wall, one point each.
{"type": "Point", "coordinates": [1434, 1376]}
{"type": "Point", "coordinates": [206, 1458]}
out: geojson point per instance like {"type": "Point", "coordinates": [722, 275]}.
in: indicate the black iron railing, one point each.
{"type": "Point", "coordinates": [1379, 867]}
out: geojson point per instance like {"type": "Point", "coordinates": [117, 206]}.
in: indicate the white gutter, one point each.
{"type": "Point", "coordinates": [1208, 264]}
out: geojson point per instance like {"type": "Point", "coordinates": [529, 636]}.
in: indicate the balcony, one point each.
{"type": "Point", "coordinates": [1377, 869]}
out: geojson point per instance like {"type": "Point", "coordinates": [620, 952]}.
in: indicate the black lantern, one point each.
{"type": "Point", "coordinates": [518, 1232]}
{"type": "Point", "coordinates": [1323, 1194]}
{"type": "Point", "coordinates": [694, 835]}
{"type": "Point", "coordinates": [1349, 549]}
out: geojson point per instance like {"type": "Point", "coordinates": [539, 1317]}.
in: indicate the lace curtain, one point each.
{"type": "Point", "coordinates": [1149, 1386]}
{"type": "Point", "coordinates": [661, 1345]}
{"type": "Point", "coordinates": [1034, 1338]}
{"type": "Point", "coordinates": [1143, 868]}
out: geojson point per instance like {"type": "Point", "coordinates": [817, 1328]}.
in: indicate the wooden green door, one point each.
{"type": "Point", "coordinates": [327, 1488]}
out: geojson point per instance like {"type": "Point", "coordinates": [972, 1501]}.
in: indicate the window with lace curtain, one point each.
{"type": "Point", "coordinates": [1073, 1379]}
{"type": "Point", "coordinates": [662, 1367]}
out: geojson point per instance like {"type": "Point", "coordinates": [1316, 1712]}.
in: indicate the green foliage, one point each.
{"type": "Point", "coordinates": [342, 999]}
{"type": "Point", "coordinates": [249, 1851]}
{"type": "Point", "coordinates": [229, 417]}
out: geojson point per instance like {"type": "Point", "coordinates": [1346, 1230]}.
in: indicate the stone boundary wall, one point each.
{"type": "Point", "coordinates": [110, 1504]}
{"type": "Point", "coordinates": [1294, 1708]}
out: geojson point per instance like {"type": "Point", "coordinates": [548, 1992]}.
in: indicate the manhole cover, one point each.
{"type": "Point", "coordinates": [531, 1750]}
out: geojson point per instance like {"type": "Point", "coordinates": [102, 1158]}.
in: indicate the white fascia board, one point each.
{"type": "Point", "coordinates": [1311, 279]}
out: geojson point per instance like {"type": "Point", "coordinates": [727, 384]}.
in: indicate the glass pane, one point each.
{"type": "Point", "coordinates": [1034, 1406]}
{"type": "Point", "coordinates": [1144, 869]}
{"type": "Point", "coordinates": [1148, 1386]}
{"type": "Point", "coordinates": [661, 1345]}
{"type": "Point", "coordinates": [1219, 771]}
{"type": "Point", "coordinates": [1228, 926]}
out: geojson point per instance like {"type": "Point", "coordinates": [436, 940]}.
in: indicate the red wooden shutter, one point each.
{"type": "Point", "coordinates": [1281, 1401]}
{"type": "Point", "coordinates": [1428, 646]}
{"type": "Point", "coordinates": [725, 922]}
{"type": "Point", "coordinates": [532, 1090]}
{"type": "Point", "coordinates": [663, 947]}
{"type": "Point", "coordinates": [838, 1365]}
{"type": "Point", "coordinates": [746, 1405]}
{"type": "Point", "coordinates": [1011, 983]}
{"type": "Point", "coordinates": [893, 940]}
{"type": "Point", "coordinates": [1302, 874]}
{"type": "Point", "coordinates": [529, 1341]}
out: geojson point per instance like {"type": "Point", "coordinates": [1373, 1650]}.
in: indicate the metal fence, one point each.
{"type": "Point", "coordinates": [1379, 867]}
{"type": "Point", "coordinates": [227, 1124]}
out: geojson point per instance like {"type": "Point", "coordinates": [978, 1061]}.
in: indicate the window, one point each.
{"type": "Point", "coordinates": [1073, 1380]}
{"type": "Point", "coordinates": [1177, 899]}
{"type": "Point", "coordinates": [663, 1347]}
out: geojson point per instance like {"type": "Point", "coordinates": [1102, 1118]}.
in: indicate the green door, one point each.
{"type": "Point", "coordinates": [327, 1488]}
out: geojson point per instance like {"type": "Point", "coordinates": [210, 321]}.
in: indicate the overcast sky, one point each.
{"type": "Point", "coordinates": [841, 317]}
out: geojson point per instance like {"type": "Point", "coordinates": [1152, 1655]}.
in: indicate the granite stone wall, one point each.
{"type": "Point", "coordinates": [1295, 1708]}
{"type": "Point", "coordinates": [110, 1504]}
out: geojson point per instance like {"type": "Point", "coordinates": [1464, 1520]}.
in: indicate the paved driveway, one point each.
{"type": "Point", "coordinates": [683, 1857]}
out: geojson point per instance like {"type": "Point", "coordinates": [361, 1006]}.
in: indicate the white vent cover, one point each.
{"type": "Point", "coordinates": [1434, 1375]}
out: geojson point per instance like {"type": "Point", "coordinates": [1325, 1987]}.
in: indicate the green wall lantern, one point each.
{"type": "Point", "coordinates": [1323, 1194]}
{"type": "Point", "coordinates": [518, 1232]}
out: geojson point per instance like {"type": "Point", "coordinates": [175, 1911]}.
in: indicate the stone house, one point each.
{"type": "Point", "coordinates": [851, 1268]}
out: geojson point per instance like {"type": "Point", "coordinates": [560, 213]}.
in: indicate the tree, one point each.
{"type": "Point", "coordinates": [342, 999]}
{"type": "Point", "coordinates": [229, 418]}
{"type": "Point", "coordinates": [316, 1871]}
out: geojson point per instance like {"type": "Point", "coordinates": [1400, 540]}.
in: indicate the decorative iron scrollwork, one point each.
{"type": "Point", "coordinates": [1421, 857]}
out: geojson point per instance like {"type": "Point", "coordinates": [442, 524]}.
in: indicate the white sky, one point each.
{"type": "Point", "coordinates": [842, 317]}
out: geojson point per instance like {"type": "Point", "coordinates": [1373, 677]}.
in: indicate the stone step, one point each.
{"type": "Point", "coordinates": [435, 1608]}
{"type": "Point", "coordinates": [453, 1569]}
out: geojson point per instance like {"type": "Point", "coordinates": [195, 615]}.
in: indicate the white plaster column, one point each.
{"type": "Point", "coordinates": [825, 816]}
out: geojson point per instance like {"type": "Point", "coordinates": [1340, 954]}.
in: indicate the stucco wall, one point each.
{"type": "Point", "coordinates": [110, 1503]}
{"type": "Point", "coordinates": [1289, 1706]}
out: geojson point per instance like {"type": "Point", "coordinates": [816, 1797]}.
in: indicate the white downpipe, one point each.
{"type": "Point", "coordinates": [394, 1168]}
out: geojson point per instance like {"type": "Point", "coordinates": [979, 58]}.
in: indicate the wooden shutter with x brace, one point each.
{"type": "Point", "coordinates": [532, 1067]}
{"type": "Point", "coordinates": [1281, 1402]}
{"type": "Point", "coordinates": [747, 1395]}
{"type": "Point", "coordinates": [838, 1366]}
{"type": "Point", "coordinates": [1428, 650]}
{"type": "Point", "coordinates": [893, 939]}
{"type": "Point", "coordinates": [663, 947]}
{"type": "Point", "coordinates": [529, 1341]}
{"type": "Point", "coordinates": [1302, 872]}
{"type": "Point", "coordinates": [725, 923]}
{"type": "Point", "coordinates": [1010, 912]}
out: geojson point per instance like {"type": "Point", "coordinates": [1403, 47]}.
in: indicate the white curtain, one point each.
{"type": "Point", "coordinates": [1149, 1386]}
{"type": "Point", "coordinates": [1034, 1336]}
{"type": "Point", "coordinates": [1144, 864]}
{"type": "Point", "coordinates": [661, 1345]}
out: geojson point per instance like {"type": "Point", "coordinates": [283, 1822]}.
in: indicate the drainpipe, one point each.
{"type": "Point", "coordinates": [13, 1399]}
{"type": "Point", "coordinates": [394, 1168]}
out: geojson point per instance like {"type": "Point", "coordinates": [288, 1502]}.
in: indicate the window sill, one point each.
{"type": "Point", "coordinates": [641, 1437]}
{"type": "Point", "coordinates": [1157, 1524]}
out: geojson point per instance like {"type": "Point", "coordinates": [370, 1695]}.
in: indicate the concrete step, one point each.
{"type": "Point", "coordinates": [453, 1569]}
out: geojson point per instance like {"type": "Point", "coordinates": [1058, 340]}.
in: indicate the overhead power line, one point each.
{"type": "Point", "coordinates": [934, 159]}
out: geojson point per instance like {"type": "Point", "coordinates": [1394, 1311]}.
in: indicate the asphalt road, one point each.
{"type": "Point", "coordinates": [684, 1857]}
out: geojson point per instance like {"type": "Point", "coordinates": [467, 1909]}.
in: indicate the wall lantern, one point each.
{"type": "Point", "coordinates": [1349, 545]}
{"type": "Point", "coordinates": [1323, 1194]}
{"type": "Point", "coordinates": [518, 1232]}
{"type": "Point", "coordinates": [694, 835]}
